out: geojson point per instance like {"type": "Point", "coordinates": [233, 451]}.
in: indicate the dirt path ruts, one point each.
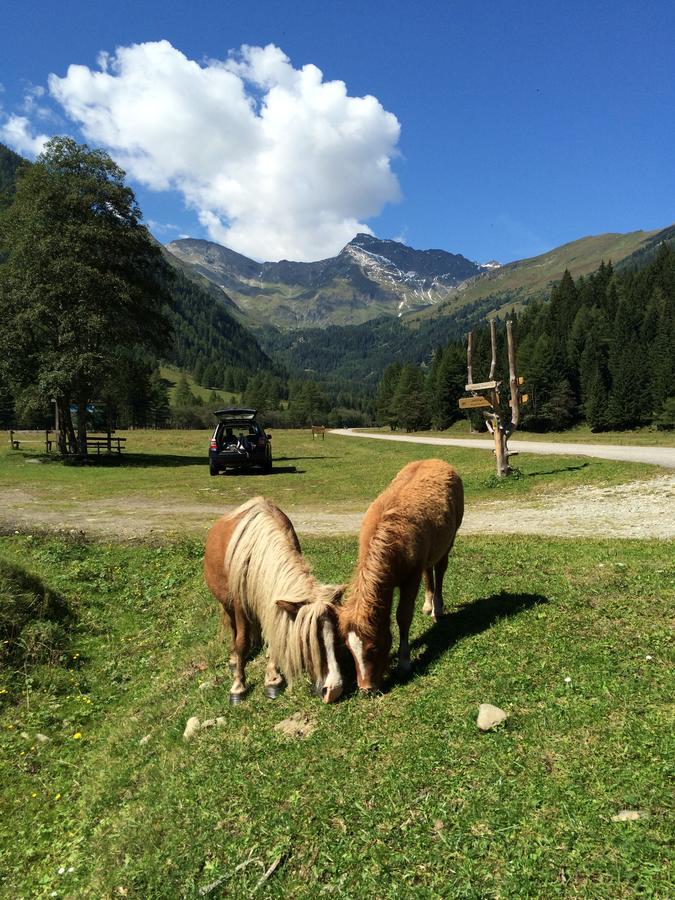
{"type": "Point", "coordinates": [644, 509]}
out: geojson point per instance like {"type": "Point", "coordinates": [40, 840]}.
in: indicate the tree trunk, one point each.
{"type": "Point", "coordinates": [66, 432]}
{"type": "Point", "coordinates": [82, 427]}
{"type": "Point", "coordinates": [501, 454]}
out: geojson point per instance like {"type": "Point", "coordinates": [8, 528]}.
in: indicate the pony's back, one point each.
{"type": "Point", "coordinates": [424, 501]}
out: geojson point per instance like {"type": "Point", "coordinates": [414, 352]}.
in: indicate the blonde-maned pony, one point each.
{"type": "Point", "coordinates": [254, 567]}
{"type": "Point", "coordinates": [407, 533]}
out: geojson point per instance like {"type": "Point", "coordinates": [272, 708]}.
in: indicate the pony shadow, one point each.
{"type": "Point", "coordinates": [471, 618]}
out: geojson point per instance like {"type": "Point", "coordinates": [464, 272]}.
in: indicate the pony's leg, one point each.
{"type": "Point", "coordinates": [428, 607]}
{"type": "Point", "coordinates": [404, 614]}
{"type": "Point", "coordinates": [227, 618]}
{"type": "Point", "coordinates": [439, 571]}
{"type": "Point", "coordinates": [274, 680]}
{"type": "Point", "coordinates": [241, 647]}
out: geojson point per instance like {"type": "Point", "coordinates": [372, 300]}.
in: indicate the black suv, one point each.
{"type": "Point", "coordinates": [239, 442]}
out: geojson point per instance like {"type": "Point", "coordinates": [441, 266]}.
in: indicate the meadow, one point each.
{"type": "Point", "coordinates": [396, 795]}
{"type": "Point", "coordinates": [162, 479]}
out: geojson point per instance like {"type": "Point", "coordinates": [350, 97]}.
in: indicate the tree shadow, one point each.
{"type": "Point", "coordinates": [471, 618]}
{"type": "Point", "coordinates": [557, 471]}
{"type": "Point", "coordinates": [295, 458]}
{"type": "Point", "coordinates": [276, 470]}
{"type": "Point", "coordinates": [147, 460]}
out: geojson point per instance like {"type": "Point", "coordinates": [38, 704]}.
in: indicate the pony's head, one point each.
{"type": "Point", "coordinates": [314, 644]}
{"type": "Point", "coordinates": [370, 650]}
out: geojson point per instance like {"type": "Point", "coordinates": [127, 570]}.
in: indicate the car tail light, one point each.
{"type": "Point", "coordinates": [213, 445]}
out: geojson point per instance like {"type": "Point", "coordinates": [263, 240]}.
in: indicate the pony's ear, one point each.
{"type": "Point", "coordinates": [290, 608]}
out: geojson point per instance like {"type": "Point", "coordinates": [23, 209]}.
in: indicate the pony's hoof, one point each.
{"type": "Point", "coordinates": [272, 691]}
{"type": "Point", "coordinates": [236, 698]}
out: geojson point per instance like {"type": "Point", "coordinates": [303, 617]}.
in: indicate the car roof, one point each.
{"type": "Point", "coordinates": [235, 414]}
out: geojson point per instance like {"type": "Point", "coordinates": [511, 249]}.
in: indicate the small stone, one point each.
{"type": "Point", "coordinates": [489, 716]}
{"type": "Point", "coordinates": [567, 679]}
{"type": "Point", "coordinates": [144, 740]}
{"type": "Point", "coordinates": [221, 721]}
{"type": "Point", "coordinates": [41, 738]}
{"type": "Point", "coordinates": [628, 815]}
{"type": "Point", "coordinates": [649, 658]}
{"type": "Point", "coordinates": [208, 723]}
{"type": "Point", "coordinates": [191, 728]}
{"type": "Point", "coordinates": [25, 735]}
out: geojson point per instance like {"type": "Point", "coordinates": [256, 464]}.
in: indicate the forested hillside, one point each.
{"type": "Point", "coordinates": [600, 351]}
{"type": "Point", "coordinates": [9, 163]}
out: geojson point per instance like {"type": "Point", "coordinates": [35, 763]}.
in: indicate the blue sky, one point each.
{"type": "Point", "coordinates": [505, 128]}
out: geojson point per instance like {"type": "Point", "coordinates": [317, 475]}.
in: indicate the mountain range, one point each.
{"type": "Point", "coordinates": [368, 278]}
{"type": "Point", "coordinates": [347, 317]}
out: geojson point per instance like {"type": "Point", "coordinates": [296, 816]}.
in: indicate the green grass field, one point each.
{"type": "Point", "coordinates": [393, 796]}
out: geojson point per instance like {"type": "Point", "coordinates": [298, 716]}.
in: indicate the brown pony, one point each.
{"type": "Point", "coordinates": [408, 532]}
{"type": "Point", "coordinates": [254, 567]}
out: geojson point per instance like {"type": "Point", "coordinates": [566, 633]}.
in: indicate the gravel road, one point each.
{"type": "Point", "coordinates": [657, 456]}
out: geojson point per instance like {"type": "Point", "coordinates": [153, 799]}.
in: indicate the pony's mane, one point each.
{"type": "Point", "coordinates": [368, 597]}
{"type": "Point", "coordinates": [264, 566]}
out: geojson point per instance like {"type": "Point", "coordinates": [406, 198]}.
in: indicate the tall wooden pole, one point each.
{"type": "Point", "coordinates": [513, 379]}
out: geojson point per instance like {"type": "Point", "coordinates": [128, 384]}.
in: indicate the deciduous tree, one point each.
{"type": "Point", "coordinates": [80, 282]}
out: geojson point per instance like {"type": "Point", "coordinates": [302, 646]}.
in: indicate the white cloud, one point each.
{"type": "Point", "coordinates": [276, 161]}
{"type": "Point", "coordinates": [15, 131]}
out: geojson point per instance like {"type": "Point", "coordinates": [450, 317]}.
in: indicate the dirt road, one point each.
{"type": "Point", "coordinates": [644, 509]}
{"type": "Point", "coordinates": [657, 456]}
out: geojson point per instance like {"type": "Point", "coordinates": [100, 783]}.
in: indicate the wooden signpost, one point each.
{"type": "Point", "coordinates": [487, 395]}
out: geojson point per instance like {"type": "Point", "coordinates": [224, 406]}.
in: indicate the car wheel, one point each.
{"type": "Point", "coordinates": [213, 469]}
{"type": "Point", "coordinates": [267, 468]}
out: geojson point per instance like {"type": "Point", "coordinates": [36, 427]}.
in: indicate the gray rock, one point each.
{"type": "Point", "coordinates": [489, 717]}
{"type": "Point", "coordinates": [191, 728]}
{"type": "Point", "coordinates": [208, 723]}
{"type": "Point", "coordinates": [221, 721]}
{"type": "Point", "coordinates": [41, 738]}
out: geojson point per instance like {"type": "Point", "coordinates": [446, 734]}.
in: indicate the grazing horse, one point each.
{"type": "Point", "coordinates": [407, 533]}
{"type": "Point", "coordinates": [254, 568]}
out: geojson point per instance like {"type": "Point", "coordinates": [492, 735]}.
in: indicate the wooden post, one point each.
{"type": "Point", "coordinates": [513, 379]}
{"type": "Point", "coordinates": [487, 394]}
{"type": "Point", "coordinates": [493, 345]}
{"type": "Point", "coordinates": [501, 453]}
